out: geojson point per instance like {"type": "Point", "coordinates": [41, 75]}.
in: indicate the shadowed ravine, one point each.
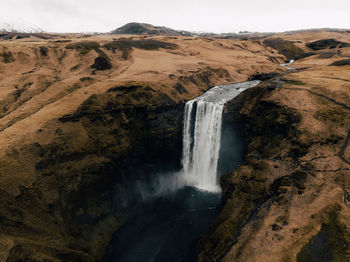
{"type": "Point", "coordinates": [168, 224]}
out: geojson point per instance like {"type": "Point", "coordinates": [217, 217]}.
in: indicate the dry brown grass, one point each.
{"type": "Point", "coordinates": [45, 81]}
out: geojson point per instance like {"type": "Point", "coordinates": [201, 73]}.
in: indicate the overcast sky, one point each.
{"type": "Point", "coordinates": [195, 15]}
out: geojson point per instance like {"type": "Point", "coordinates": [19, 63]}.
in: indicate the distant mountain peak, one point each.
{"type": "Point", "coordinates": [135, 28]}
{"type": "Point", "coordinates": [19, 27]}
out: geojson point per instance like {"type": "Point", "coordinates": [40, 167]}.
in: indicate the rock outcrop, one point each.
{"type": "Point", "coordinates": [326, 44]}
{"type": "Point", "coordinates": [344, 62]}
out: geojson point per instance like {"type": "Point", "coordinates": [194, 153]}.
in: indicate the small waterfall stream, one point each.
{"type": "Point", "coordinates": [168, 226]}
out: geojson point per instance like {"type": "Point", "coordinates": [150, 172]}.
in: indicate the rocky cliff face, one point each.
{"type": "Point", "coordinates": [80, 195]}
{"type": "Point", "coordinates": [289, 200]}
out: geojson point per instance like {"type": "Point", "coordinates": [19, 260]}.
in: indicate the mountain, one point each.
{"type": "Point", "coordinates": [148, 29]}
{"type": "Point", "coordinates": [19, 28]}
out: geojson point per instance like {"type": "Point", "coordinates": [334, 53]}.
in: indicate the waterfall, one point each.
{"type": "Point", "coordinates": [202, 135]}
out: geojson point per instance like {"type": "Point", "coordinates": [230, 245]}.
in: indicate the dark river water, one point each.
{"type": "Point", "coordinates": [166, 228]}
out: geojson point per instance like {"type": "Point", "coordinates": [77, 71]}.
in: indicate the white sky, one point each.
{"type": "Point", "coordinates": [195, 15]}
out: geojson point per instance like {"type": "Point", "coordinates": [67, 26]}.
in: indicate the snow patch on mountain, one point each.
{"type": "Point", "coordinates": [19, 27]}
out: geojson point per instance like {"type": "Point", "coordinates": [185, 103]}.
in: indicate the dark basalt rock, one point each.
{"type": "Point", "coordinates": [307, 54]}
{"type": "Point", "coordinates": [326, 55]}
{"type": "Point", "coordinates": [326, 44]}
{"type": "Point", "coordinates": [86, 79]}
{"type": "Point", "coordinates": [262, 76]}
{"type": "Point", "coordinates": [102, 63]}
{"type": "Point", "coordinates": [343, 62]}
{"type": "Point", "coordinates": [43, 50]}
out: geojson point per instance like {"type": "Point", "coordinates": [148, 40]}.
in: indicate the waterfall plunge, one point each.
{"type": "Point", "coordinates": [202, 135]}
{"type": "Point", "coordinates": [201, 149]}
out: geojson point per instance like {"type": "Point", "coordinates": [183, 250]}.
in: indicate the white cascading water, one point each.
{"type": "Point", "coordinates": [202, 135]}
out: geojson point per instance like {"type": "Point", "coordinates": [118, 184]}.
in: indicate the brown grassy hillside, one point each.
{"type": "Point", "coordinates": [79, 114]}
{"type": "Point", "coordinates": [289, 200]}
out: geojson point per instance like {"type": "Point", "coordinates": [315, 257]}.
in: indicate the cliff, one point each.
{"type": "Point", "coordinates": [289, 200]}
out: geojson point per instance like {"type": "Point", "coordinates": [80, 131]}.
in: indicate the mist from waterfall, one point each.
{"type": "Point", "coordinates": [202, 131]}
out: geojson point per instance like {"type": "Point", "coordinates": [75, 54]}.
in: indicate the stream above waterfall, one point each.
{"type": "Point", "coordinates": [166, 226]}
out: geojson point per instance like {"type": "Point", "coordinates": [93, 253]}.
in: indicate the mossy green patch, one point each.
{"type": "Point", "coordinates": [344, 62]}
